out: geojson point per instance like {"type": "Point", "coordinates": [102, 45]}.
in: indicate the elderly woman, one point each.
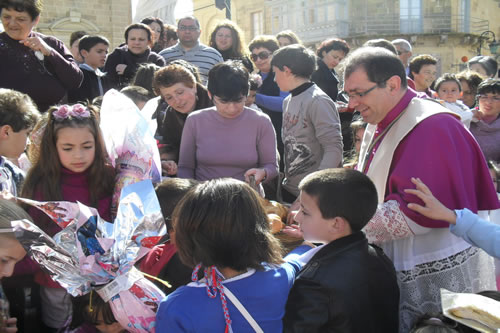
{"type": "Point", "coordinates": [227, 39]}
{"type": "Point", "coordinates": [485, 125]}
{"type": "Point", "coordinates": [123, 62]}
{"type": "Point", "coordinates": [178, 87]}
{"type": "Point", "coordinates": [32, 63]}
{"type": "Point", "coordinates": [228, 140]}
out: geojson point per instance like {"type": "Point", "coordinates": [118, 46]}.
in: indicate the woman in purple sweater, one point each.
{"type": "Point", "coordinates": [228, 140]}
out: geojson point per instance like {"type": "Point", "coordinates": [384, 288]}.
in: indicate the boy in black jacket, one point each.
{"type": "Point", "coordinates": [348, 285]}
{"type": "Point", "coordinates": [95, 83]}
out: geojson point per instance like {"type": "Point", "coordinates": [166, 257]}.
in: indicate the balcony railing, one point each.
{"type": "Point", "coordinates": [426, 24]}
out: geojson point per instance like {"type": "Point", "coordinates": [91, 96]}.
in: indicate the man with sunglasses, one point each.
{"type": "Point", "coordinates": [409, 137]}
{"type": "Point", "coordinates": [190, 49]}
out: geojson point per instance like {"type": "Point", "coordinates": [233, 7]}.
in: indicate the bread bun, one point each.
{"type": "Point", "coordinates": [273, 207]}
{"type": "Point", "coordinates": [275, 223]}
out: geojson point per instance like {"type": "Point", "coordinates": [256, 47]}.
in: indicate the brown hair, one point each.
{"type": "Point", "coordinates": [172, 74]}
{"type": "Point", "coordinates": [290, 35]}
{"type": "Point", "coordinates": [222, 222]}
{"type": "Point", "coordinates": [169, 193]}
{"type": "Point", "coordinates": [269, 42]}
{"type": "Point", "coordinates": [236, 50]}
{"type": "Point", "coordinates": [332, 44]}
{"type": "Point", "coordinates": [140, 26]}
{"type": "Point", "coordinates": [17, 110]}
{"type": "Point", "coordinates": [45, 175]}
{"type": "Point", "coordinates": [419, 61]}
{"type": "Point", "coordinates": [10, 211]}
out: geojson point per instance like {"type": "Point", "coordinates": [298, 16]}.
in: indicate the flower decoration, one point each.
{"type": "Point", "coordinates": [62, 113]}
{"type": "Point", "coordinates": [77, 111]}
{"type": "Point", "coordinates": [80, 111]}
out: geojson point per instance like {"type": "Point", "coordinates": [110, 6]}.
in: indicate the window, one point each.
{"type": "Point", "coordinates": [410, 16]}
{"type": "Point", "coordinates": [257, 24]}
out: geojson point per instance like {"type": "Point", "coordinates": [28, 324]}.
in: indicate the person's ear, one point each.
{"type": "Point", "coordinates": [84, 53]}
{"type": "Point", "coordinates": [287, 70]}
{"type": "Point", "coordinates": [339, 226]}
{"type": "Point", "coordinates": [5, 130]}
{"type": "Point", "coordinates": [394, 84]}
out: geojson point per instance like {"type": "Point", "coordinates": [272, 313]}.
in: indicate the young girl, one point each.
{"type": "Point", "coordinates": [71, 167]}
{"type": "Point", "coordinates": [222, 229]}
{"type": "Point", "coordinates": [449, 90]}
{"type": "Point", "coordinates": [11, 251]}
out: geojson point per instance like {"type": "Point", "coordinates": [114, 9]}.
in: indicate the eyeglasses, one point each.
{"type": "Point", "coordinates": [360, 94]}
{"type": "Point", "coordinates": [263, 56]}
{"type": "Point", "coordinates": [188, 28]}
{"type": "Point", "coordinates": [485, 98]}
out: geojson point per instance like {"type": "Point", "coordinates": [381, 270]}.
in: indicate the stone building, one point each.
{"type": "Point", "coordinates": [109, 18]}
{"type": "Point", "coordinates": [450, 30]}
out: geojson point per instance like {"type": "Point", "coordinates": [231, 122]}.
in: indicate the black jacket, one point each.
{"type": "Point", "coordinates": [326, 79]}
{"type": "Point", "coordinates": [89, 89]}
{"type": "Point", "coordinates": [347, 286]}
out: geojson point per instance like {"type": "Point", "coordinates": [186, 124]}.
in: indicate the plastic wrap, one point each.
{"type": "Point", "coordinates": [90, 253]}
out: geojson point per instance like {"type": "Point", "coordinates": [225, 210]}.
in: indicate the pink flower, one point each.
{"type": "Point", "coordinates": [62, 113]}
{"type": "Point", "coordinates": [80, 111]}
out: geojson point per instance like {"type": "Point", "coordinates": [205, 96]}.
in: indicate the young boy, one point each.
{"type": "Point", "coordinates": [253, 84]}
{"type": "Point", "coordinates": [18, 115]}
{"type": "Point", "coordinates": [348, 285]}
{"type": "Point", "coordinates": [95, 83]}
{"type": "Point", "coordinates": [311, 125]}
{"type": "Point", "coordinates": [449, 90]}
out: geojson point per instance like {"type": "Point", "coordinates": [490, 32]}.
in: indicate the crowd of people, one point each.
{"type": "Point", "coordinates": [390, 176]}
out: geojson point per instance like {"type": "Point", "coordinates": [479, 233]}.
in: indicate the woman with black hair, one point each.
{"type": "Point", "coordinates": [228, 140]}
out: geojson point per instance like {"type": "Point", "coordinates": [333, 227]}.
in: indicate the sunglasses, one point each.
{"type": "Point", "coordinates": [263, 56]}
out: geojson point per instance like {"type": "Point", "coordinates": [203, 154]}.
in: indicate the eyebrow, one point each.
{"type": "Point", "coordinates": [71, 144]}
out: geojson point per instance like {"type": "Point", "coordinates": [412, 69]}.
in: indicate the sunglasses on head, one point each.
{"type": "Point", "coordinates": [263, 55]}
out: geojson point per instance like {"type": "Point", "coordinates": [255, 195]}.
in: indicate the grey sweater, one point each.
{"type": "Point", "coordinates": [311, 135]}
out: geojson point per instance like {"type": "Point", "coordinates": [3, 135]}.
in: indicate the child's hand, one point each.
{"type": "Point", "coordinates": [6, 195]}
{"type": "Point", "coordinates": [433, 208]}
{"type": "Point", "coordinates": [10, 326]}
{"type": "Point", "coordinates": [170, 167]}
{"type": "Point", "coordinates": [293, 230]}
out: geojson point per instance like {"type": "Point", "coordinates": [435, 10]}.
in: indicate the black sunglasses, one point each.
{"type": "Point", "coordinates": [263, 55]}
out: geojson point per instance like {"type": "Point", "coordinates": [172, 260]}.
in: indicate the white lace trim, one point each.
{"type": "Point", "coordinates": [388, 223]}
{"type": "Point", "coordinates": [470, 271]}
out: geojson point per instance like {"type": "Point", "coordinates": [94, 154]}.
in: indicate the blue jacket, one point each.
{"type": "Point", "coordinates": [478, 232]}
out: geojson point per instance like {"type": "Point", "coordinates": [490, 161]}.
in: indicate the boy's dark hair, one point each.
{"type": "Point", "coordinates": [300, 60]}
{"type": "Point", "coordinates": [266, 41]}
{"type": "Point", "coordinates": [169, 193]}
{"type": "Point", "coordinates": [332, 44]}
{"type": "Point", "coordinates": [253, 83]}
{"type": "Point", "coordinates": [228, 80]}
{"type": "Point", "coordinates": [136, 93]}
{"type": "Point", "coordinates": [341, 192]}
{"type": "Point", "coordinates": [32, 7]}
{"type": "Point", "coordinates": [435, 323]}
{"type": "Point", "coordinates": [489, 86]}
{"type": "Point", "coordinates": [419, 61]}
{"type": "Point", "coordinates": [140, 26]}
{"type": "Point", "coordinates": [91, 311]}
{"type": "Point", "coordinates": [447, 77]}
{"type": "Point", "coordinates": [76, 35]}
{"type": "Point", "coordinates": [382, 43]}
{"type": "Point", "coordinates": [17, 110]}
{"type": "Point", "coordinates": [222, 222]}
{"type": "Point", "coordinates": [87, 42]}
{"type": "Point", "coordinates": [144, 77]}
{"type": "Point", "coordinates": [378, 63]}
{"type": "Point", "coordinates": [489, 64]}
